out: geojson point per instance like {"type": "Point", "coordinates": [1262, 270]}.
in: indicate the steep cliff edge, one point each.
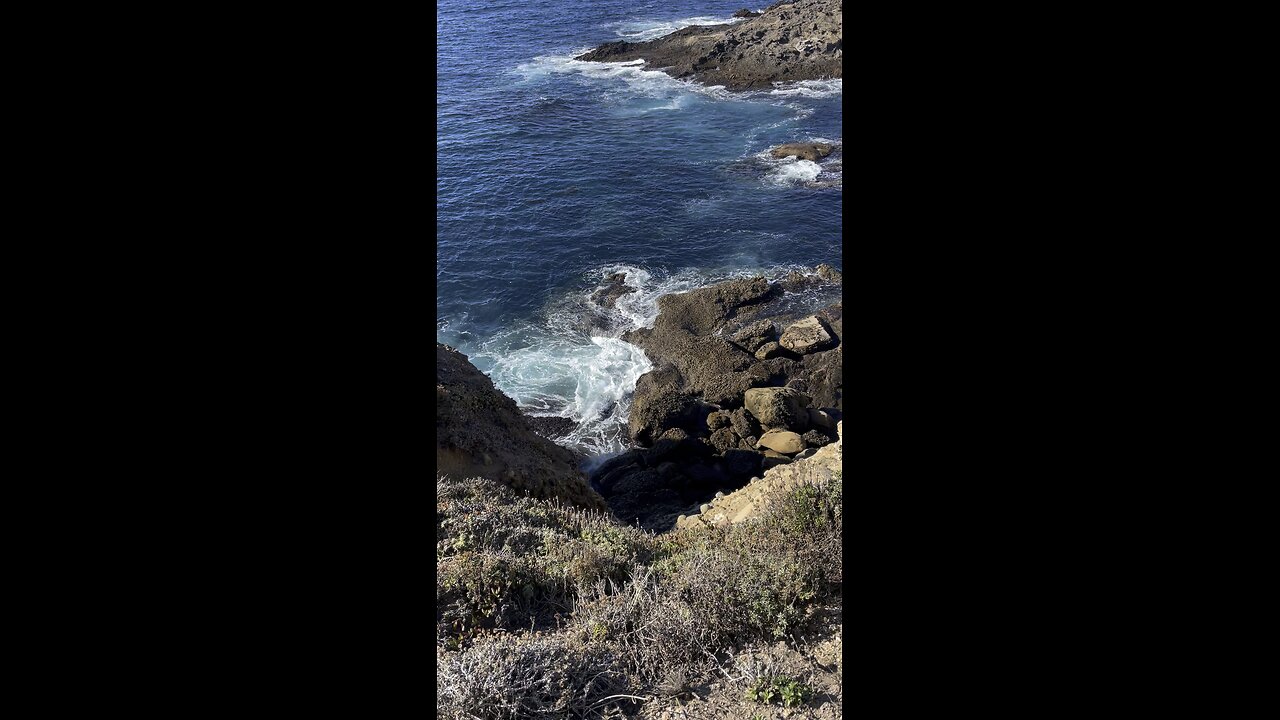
{"type": "Point", "coordinates": [481, 433]}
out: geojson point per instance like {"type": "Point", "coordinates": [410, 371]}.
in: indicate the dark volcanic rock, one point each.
{"type": "Point", "coordinates": [659, 404]}
{"type": "Point", "coordinates": [742, 463]}
{"type": "Point", "coordinates": [744, 424]}
{"type": "Point", "coordinates": [724, 440]}
{"type": "Point", "coordinates": [751, 337]}
{"type": "Point", "coordinates": [613, 289]}
{"type": "Point", "coordinates": [804, 151]}
{"type": "Point", "coordinates": [814, 438]}
{"type": "Point", "coordinates": [551, 427]}
{"type": "Point", "coordinates": [481, 433]}
{"type": "Point", "coordinates": [801, 40]}
{"type": "Point", "coordinates": [717, 420]}
{"type": "Point", "coordinates": [745, 13]}
{"type": "Point", "coordinates": [696, 363]}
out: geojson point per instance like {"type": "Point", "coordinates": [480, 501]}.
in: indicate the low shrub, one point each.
{"type": "Point", "coordinates": [789, 692]}
{"type": "Point", "coordinates": [512, 677]}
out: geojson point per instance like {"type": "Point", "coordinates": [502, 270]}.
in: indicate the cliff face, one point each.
{"type": "Point", "coordinates": [481, 433]}
{"type": "Point", "coordinates": [793, 41]}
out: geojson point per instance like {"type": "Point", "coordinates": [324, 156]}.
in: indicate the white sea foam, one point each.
{"type": "Point", "coordinates": [800, 171]}
{"type": "Point", "coordinates": [642, 30]}
{"type": "Point", "coordinates": [590, 384]}
{"type": "Point", "coordinates": [648, 83]}
{"type": "Point", "coordinates": [810, 88]}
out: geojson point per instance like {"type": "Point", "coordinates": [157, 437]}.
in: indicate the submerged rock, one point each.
{"type": "Point", "coordinates": [613, 289]}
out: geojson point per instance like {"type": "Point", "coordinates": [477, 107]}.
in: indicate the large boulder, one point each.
{"type": "Point", "coordinates": [778, 407]}
{"type": "Point", "coordinates": [674, 444]}
{"type": "Point", "coordinates": [742, 463]}
{"type": "Point", "coordinates": [743, 423]}
{"type": "Point", "coordinates": [783, 441]}
{"type": "Point", "coordinates": [659, 404]}
{"type": "Point", "coordinates": [807, 336]}
{"type": "Point", "coordinates": [804, 151]}
{"type": "Point", "coordinates": [724, 440]}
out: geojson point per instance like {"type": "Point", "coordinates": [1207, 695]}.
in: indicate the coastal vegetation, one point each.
{"type": "Point", "coordinates": [548, 610]}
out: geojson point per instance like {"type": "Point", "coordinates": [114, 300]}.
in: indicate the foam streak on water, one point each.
{"type": "Point", "coordinates": [810, 88]}
{"type": "Point", "coordinates": [642, 30]}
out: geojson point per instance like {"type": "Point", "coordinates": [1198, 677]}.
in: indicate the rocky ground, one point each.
{"type": "Point", "coordinates": [480, 432]}
{"type": "Point", "coordinates": [788, 42]}
{"type": "Point", "coordinates": [740, 384]}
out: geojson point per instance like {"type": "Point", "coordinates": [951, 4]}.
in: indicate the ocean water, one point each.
{"type": "Point", "coordinates": [553, 174]}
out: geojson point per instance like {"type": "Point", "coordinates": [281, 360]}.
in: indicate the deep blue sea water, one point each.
{"type": "Point", "coordinates": [554, 173]}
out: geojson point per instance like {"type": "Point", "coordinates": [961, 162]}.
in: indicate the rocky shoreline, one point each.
{"type": "Point", "coordinates": [790, 41]}
{"type": "Point", "coordinates": [743, 381]}
{"type": "Point", "coordinates": [739, 385]}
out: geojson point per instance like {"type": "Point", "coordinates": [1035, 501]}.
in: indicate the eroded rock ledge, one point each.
{"type": "Point", "coordinates": [788, 42]}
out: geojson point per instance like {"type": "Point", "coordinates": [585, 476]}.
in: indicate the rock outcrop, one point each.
{"type": "Point", "coordinates": [746, 503]}
{"type": "Point", "coordinates": [794, 41]}
{"type": "Point", "coordinates": [481, 433]}
{"type": "Point", "coordinates": [778, 407]}
{"type": "Point", "coordinates": [806, 336]}
{"type": "Point", "coordinates": [804, 151]}
{"type": "Point", "coordinates": [710, 414]}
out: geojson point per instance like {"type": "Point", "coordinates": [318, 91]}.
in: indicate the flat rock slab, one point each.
{"type": "Point", "coordinates": [807, 336]}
